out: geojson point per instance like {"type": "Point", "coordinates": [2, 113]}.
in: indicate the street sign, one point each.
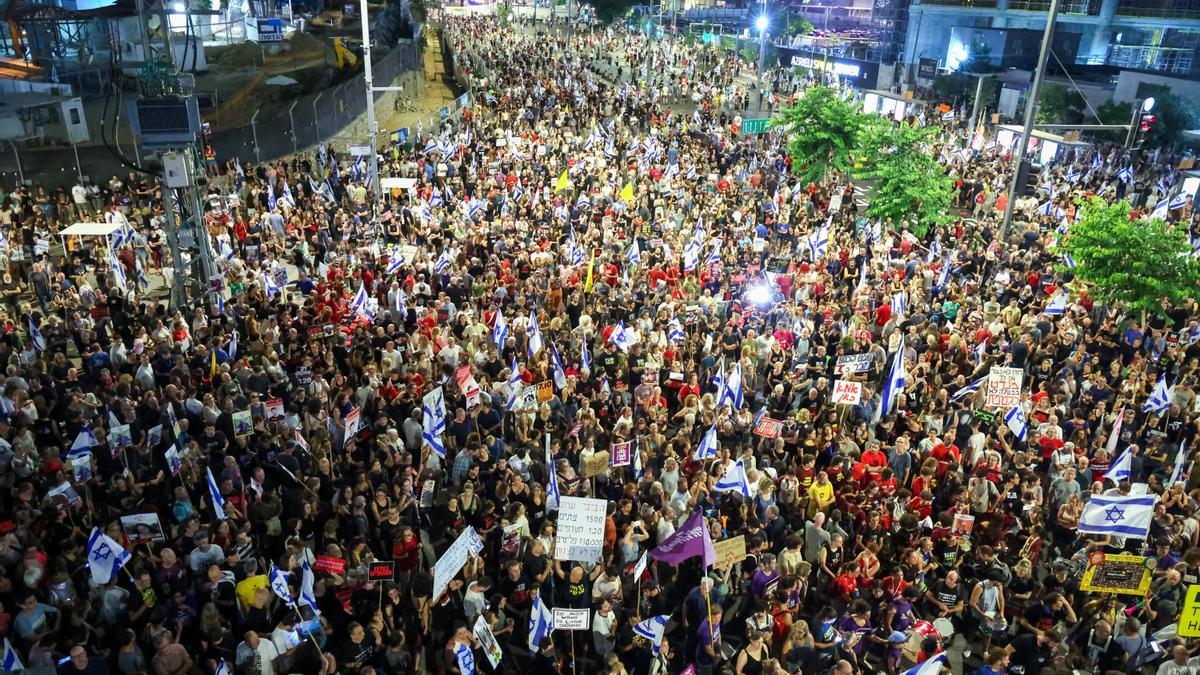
{"type": "Point", "coordinates": [360, 150]}
{"type": "Point", "coordinates": [758, 126]}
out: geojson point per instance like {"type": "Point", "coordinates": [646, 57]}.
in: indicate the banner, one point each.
{"type": "Point", "coordinates": [1004, 387]}
{"type": "Point", "coordinates": [768, 427]}
{"type": "Point", "coordinates": [467, 544]}
{"type": "Point", "coordinates": [580, 529]}
{"type": "Point", "coordinates": [853, 363]}
{"type": "Point", "coordinates": [487, 642]}
{"type": "Point", "coordinates": [847, 392]}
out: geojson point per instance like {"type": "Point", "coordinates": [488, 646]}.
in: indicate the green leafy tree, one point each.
{"type": "Point", "coordinates": [1113, 112]}
{"type": "Point", "coordinates": [799, 25]}
{"type": "Point", "coordinates": [1175, 114]}
{"type": "Point", "coordinates": [1059, 105]}
{"type": "Point", "coordinates": [608, 10]}
{"type": "Point", "coordinates": [821, 130]}
{"type": "Point", "coordinates": [909, 183]}
{"type": "Point", "coordinates": [1143, 266]}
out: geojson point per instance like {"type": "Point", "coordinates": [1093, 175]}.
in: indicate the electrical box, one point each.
{"type": "Point", "coordinates": [167, 122]}
{"type": "Point", "coordinates": [177, 168]}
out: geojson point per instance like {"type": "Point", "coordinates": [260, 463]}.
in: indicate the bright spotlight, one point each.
{"type": "Point", "coordinates": [761, 23]}
{"type": "Point", "coordinates": [759, 294]}
{"type": "Point", "coordinates": [180, 7]}
{"type": "Point", "coordinates": [1148, 104]}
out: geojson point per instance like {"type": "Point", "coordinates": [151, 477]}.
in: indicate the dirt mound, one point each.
{"type": "Point", "coordinates": [242, 55]}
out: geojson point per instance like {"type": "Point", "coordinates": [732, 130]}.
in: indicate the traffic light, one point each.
{"type": "Point", "coordinates": [1146, 123]}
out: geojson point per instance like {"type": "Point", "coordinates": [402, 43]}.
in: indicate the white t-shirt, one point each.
{"type": "Point", "coordinates": [79, 194]}
{"type": "Point", "coordinates": [263, 658]}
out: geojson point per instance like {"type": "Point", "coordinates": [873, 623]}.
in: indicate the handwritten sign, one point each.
{"type": "Point", "coordinates": [853, 363]}
{"type": "Point", "coordinates": [545, 391]}
{"type": "Point", "coordinates": [580, 529]}
{"type": "Point", "coordinates": [596, 464]}
{"type": "Point", "coordinates": [1004, 387]}
{"type": "Point", "coordinates": [330, 564]}
{"type": "Point", "coordinates": [730, 551]}
{"type": "Point", "coordinates": [467, 544]}
{"type": "Point", "coordinates": [768, 427]}
{"type": "Point", "coordinates": [382, 570]}
{"type": "Point", "coordinates": [622, 453]}
{"type": "Point", "coordinates": [847, 392]}
{"type": "Point", "coordinates": [570, 619]}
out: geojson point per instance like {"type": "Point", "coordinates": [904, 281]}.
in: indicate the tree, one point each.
{"type": "Point", "coordinates": [1144, 266]}
{"type": "Point", "coordinates": [962, 86]}
{"type": "Point", "coordinates": [1113, 112]}
{"type": "Point", "coordinates": [798, 25]}
{"type": "Point", "coordinates": [821, 130]}
{"type": "Point", "coordinates": [1175, 114]}
{"type": "Point", "coordinates": [1059, 105]}
{"type": "Point", "coordinates": [909, 183]}
{"type": "Point", "coordinates": [607, 10]}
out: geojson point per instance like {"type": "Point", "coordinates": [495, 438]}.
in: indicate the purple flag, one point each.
{"type": "Point", "coordinates": [688, 541]}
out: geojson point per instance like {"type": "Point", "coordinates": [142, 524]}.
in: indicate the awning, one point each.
{"type": "Point", "coordinates": [89, 230]}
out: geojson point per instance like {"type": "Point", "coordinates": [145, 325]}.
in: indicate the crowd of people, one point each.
{"type": "Point", "coordinates": [591, 290]}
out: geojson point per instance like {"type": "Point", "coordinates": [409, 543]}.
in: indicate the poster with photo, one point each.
{"type": "Point", "coordinates": [63, 496]}
{"type": "Point", "coordinates": [174, 460]}
{"type": "Point", "coordinates": [274, 407]}
{"type": "Point", "coordinates": [143, 528]}
{"type": "Point", "coordinates": [81, 467]}
{"type": "Point", "coordinates": [120, 437]}
{"type": "Point", "coordinates": [243, 422]}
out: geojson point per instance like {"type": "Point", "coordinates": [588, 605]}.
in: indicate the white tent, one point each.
{"type": "Point", "coordinates": [87, 230]}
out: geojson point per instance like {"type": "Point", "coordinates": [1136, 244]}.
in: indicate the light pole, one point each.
{"type": "Point", "coordinates": [1135, 124]}
{"type": "Point", "coordinates": [1030, 109]}
{"type": "Point", "coordinates": [761, 23]}
{"type": "Point", "coordinates": [372, 123]}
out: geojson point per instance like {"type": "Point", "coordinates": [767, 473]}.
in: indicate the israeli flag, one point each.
{"type": "Point", "coordinates": [1128, 516]}
{"type": "Point", "coordinates": [1160, 399]}
{"type": "Point", "coordinates": [518, 192]}
{"type": "Point", "coordinates": [968, 390]}
{"type": "Point", "coordinates": [541, 623]}
{"type": "Point", "coordinates": [307, 579]}
{"type": "Point", "coordinates": [935, 249]}
{"type": "Point", "coordinates": [652, 629]}
{"type": "Point", "coordinates": [35, 336]}
{"type": "Point", "coordinates": [105, 557]}
{"type": "Point", "coordinates": [465, 659]}
{"type": "Point", "coordinates": [434, 422]}
{"type": "Point", "coordinates": [272, 201]}
{"type": "Point", "coordinates": [218, 501]}
{"type": "Point", "coordinates": [931, 666]}
{"type": "Point", "coordinates": [585, 358]}
{"type": "Point", "coordinates": [818, 242]}
{"type": "Point", "coordinates": [10, 662]}
{"type": "Point", "coordinates": [691, 255]}
{"type": "Point", "coordinates": [535, 336]}
{"type": "Point", "coordinates": [892, 386]}
{"type": "Point", "coordinates": [762, 412]}
{"type": "Point", "coordinates": [279, 584]}
{"type": "Point", "coordinates": [621, 337]}
{"type": "Point", "coordinates": [583, 203]}
{"type": "Point", "coordinates": [1058, 304]}
{"type": "Point", "coordinates": [436, 199]}
{"type": "Point", "coordinates": [675, 332]}
{"type": "Point", "coordinates": [395, 261]}
{"type": "Point", "coordinates": [85, 440]}
{"type": "Point", "coordinates": [708, 445]}
{"type": "Point", "coordinates": [1125, 174]}
{"type": "Point", "coordinates": [1068, 261]}
{"type": "Point", "coordinates": [430, 146]}
{"type": "Point", "coordinates": [222, 669]}
{"type": "Point", "coordinates": [732, 388]}
{"type": "Point", "coordinates": [862, 279]}
{"type": "Point", "coordinates": [1179, 201]}
{"type": "Point", "coordinates": [734, 480]}
{"type": "Point", "coordinates": [500, 330]}
{"type": "Point", "coordinates": [559, 374]}
{"type": "Point", "coordinates": [1161, 209]}
{"type": "Point", "coordinates": [288, 200]}
{"type": "Point", "coordinates": [1074, 175]}
{"type": "Point", "coordinates": [714, 255]}
{"type": "Point", "coordinates": [635, 253]}
{"type": "Point", "coordinates": [899, 305]}
{"type": "Point", "coordinates": [514, 385]}
{"type": "Point", "coordinates": [638, 471]}
{"type": "Point", "coordinates": [552, 492]}
{"type": "Point", "coordinates": [610, 148]}
{"type": "Point", "coordinates": [945, 277]}
{"type": "Point", "coordinates": [1122, 469]}
{"type": "Point", "coordinates": [359, 301]}
{"type": "Point", "coordinates": [1177, 472]}
{"type": "Point", "coordinates": [1015, 419]}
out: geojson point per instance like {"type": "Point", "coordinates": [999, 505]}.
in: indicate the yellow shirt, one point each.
{"type": "Point", "coordinates": [821, 494]}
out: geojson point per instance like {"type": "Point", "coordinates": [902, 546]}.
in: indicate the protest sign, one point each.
{"type": "Point", "coordinates": [622, 453]}
{"type": "Point", "coordinates": [570, 619]}
{"type": "Point", "coordinates": [580, 528]}
{"type": "Point", "coordinates": [768, 427]}
{"type": "Point", "coordinates": [142, 528]}
{"type": "Point", "coordinates": [596, 464]}
{"type": "Point", "coordinates": [730, 551]}
{"type": "Point", "coordinates": [453, 559]}
{"type": "Point", "coordinates": [853, 363]}
{"type": "Point", "coordinates": [329, 564]}
{"type": "Point", "coordinates": [381, 570]}
{"type": "Point", "coordinates": [274, 409]}
{"type": "Point", "coordinates": [847, 392]}
{"type": "Point", "coordinates": [487, 642]}
{"type": "Point", "coordinates": [1004, 387]}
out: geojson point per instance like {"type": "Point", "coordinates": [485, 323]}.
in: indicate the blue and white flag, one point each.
{"type": "Point", "coordinates": [279, 584]}
{"type": "Point", "coordinates": [541, 623]}
{"type": "Point", "coordinates": [85, 440]}
{"type": "Point", "coordinates": [1122, 469]}
{"type": "Point", "coordinates": [442, 262]}
{"type": "Point", "coordinates": [968, 390]}
{"type": "Point", "coordinates": [10, 662]}
{"type": "Point", "coordinates": [892, 386]}
{"type": "Point", "coordinates": [621, 337]}
{"type": "Point", "coordinates": [434, 420]}
{"type": "Point", "coordinates": [652, 629]}
{"type": "Point", "coordinates": [1057, 305]}
{"type": "Point", "coordinates": [514, 385]}
{"type": "Point", "coordinates": [307, 579]}
{"type": "Point", "coordinates": [585, 358]}
{"type": "Point", "coordinates": [734, 480]}
{"type": "Point", "coordinates": [899, 305]}
{"type": "Point", "coordinates": [1177, 472]}
{"type": "Point", "coordinates": [272, 202]}
{"type": "Point", "coordinates": [465, 659]}
{"type": "Point", "coordinates": [35, 336]}
{"type": "Point", "coordinates": [557, 371]}
{"type": "Point", "coordinates": [1125, 174]}
{"type": "Point", "coordinates": [105, 557]}
{"type": "Point", "coordinates": [395, 261]}
{"type": "Point", "coordinates": [675, 332]}
{"type": "Point", "coordinates": [1160, 399]}
{"type": "Point", "coordinates": [1179, 201]}
{"type": "Point", "coordinates": [708, 445]}
{"type": "Point", "coordinates": [218, 501]}
{"type": "Point", "coordinates": [818, 243]}
{"type": "Point", "coordinates": [1015, 419]}
{"type": "Point", "coordinates": [638, 470]}
{"type": "Point", "coordinates": [731, 391]}
{"type": "Point", "coordinates": [535, 336]}
{"type": "Point", "coordinates": [691, 256]}
{"type": "Point", "coordinates": [359, 301]}
{"type": "Point", "coordinates": [635, 253]}
{"type": "Point", "coordinates": [931, 666]}
{"type": "Point", "coordinates": [1068, 260]}
{"type": "Point", "coordinates": [222, 668]}
{"type": "Point", "coordinates": [1127, 516]}
{"type": "Point", "coordinates": [500, 330]}
{"type": "Point", "coordinates": [552, 492]}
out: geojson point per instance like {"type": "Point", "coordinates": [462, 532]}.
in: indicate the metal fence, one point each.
{"type": "Point", "coordinates": [276, 130]}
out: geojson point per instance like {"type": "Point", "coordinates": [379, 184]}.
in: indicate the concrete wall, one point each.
{"type": "Point", "coordinates": [1127, 85]}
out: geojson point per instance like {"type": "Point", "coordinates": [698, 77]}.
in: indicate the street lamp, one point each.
{"type": "Point", "coordinates": [761, 23]}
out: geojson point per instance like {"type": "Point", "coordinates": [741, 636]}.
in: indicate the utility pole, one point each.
{"type": "Point", "coordinates": [1030, 110]}
{"type": "Point", "coordinates": [975, 109]}
{"type": "Point", "coordinates": [762, 23]}
{"type": "Point", "coordinates": [372, 123]}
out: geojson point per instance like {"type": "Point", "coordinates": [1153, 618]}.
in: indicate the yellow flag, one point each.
{"type": "Point", "coordinates": [587, 285]}
{"type": "Point", "coordinates": [563, 182]}
{"type": "Point", "coordinates": [212, 371]}
{"type": "Point", "coordinates": [627, 192]}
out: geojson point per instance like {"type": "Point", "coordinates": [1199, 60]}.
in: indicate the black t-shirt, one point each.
{"type": "Point", "coordinates": [947, 595]}
{"type": "Point", "coordinates": [360, 653]}
{"type": "Point", "coordinates": [1028, 657]}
